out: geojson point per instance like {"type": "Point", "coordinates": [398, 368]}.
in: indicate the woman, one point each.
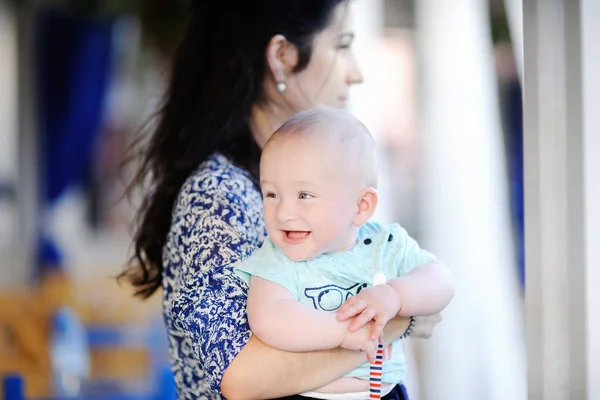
{"type": "Point", "coordinates": [235, 80]}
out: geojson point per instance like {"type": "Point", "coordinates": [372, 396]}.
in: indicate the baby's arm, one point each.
{"type": "Point", "coordinates": [280, 321]}
{"type": "Point", "coordinates": [284, 323]}
{"type": "Point", "coordinates": [424, 284]}
{"type": "Point", "coordinates": [425, 290]}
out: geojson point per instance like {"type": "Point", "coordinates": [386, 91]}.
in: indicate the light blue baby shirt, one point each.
{"type": "Point", "coordinates": [327, 281]}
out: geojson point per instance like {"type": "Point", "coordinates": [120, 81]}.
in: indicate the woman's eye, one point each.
{"type": "Point", "coordinates": [271, 195]}
{"type": "Point", "coordinates": [304, 196]}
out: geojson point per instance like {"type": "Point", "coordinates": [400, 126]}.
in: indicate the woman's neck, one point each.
{"type": "Point", "coordinates": [264, 120]}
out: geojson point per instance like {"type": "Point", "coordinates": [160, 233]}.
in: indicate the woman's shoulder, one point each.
{"type": "Point", "coordinates": [218, 173]}
{"type": "Point", "coordinates": [218, 181]}
{"type": "Point", "coordinates": [219, 189]}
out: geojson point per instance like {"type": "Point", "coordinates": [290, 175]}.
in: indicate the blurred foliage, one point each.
{"type": "Point", "coordinates": [499, 24]}
{"type": "Point", "coordinates": [162, 21]}
{"type": "Point", "coordinates": [500, 30]}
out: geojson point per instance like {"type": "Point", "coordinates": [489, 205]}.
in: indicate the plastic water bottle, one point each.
{"type": "Point", "coordinates": [69, 353]}
{"type": "Point", "coordinates": [13, 388]}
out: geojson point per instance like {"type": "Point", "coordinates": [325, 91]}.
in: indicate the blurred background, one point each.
{"type": "Point", "coordinates": [79, 78]}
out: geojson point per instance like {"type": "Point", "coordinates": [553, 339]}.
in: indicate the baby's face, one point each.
{"type": "Point", "coordinates": [310, 200]}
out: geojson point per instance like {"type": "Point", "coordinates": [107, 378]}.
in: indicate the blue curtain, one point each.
{"type": "Point", "coordinates": [74, 59]}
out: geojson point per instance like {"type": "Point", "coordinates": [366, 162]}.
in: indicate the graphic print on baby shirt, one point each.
{"type": "Point", "coordinates": [331, 297]}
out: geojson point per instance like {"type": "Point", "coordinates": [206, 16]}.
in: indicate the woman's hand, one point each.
{"type": "Point", "coordinates": [423, 326]}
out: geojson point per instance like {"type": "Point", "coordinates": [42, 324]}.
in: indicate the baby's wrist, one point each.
{"type": "Point", "coordinates": [397, 298]}
{"type": "Point", "coordinates": [341, 330]}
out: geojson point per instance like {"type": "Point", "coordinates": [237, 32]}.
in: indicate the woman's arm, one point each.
{"type": "Point", "coordinates": [261, 372]}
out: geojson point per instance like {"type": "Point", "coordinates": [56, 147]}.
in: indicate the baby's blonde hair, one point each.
{"type": "Point", "coordinates": [339, 128]}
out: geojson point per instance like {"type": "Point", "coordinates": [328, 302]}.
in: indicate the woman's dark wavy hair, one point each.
{"type": "Point", "coordinates": [217, 74]}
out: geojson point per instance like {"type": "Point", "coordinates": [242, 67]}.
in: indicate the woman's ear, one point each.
{"type": "Point", "coordinates": [282, 57]}
{"type": "Point", "coordinates": [367, 203]}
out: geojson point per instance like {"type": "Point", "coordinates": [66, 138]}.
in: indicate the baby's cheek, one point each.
{"type": "Point", "coordinates": [328, 231]}
{"type": "Point", "coordinates": [338, 216]}
{"type": "Point", "coordinates": [270, 222]}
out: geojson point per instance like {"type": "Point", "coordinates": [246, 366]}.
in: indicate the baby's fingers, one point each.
{"type": "Point", "coordinates": [364, 318]}
{"type": "Point", "coordinates": [352, 307]}
{"type": "Point", "coordinates": [378, 326]}
{"type": "Point", "coordinates": [371, 351]}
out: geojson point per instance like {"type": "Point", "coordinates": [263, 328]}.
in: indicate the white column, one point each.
{"type": "Point", "coordinates": [590, 16]}
{"type": "Point", "coordinates": [27, 192]}
{"type": "Point", "coordinates": [477, 351]}
{"type": "Point", "coordinates": [562, 197]}
{"type": "Point", "coordinates": [8, 139]}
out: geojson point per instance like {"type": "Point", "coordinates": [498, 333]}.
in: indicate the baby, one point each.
{"type": "Point", "coordinates": [310, 282]}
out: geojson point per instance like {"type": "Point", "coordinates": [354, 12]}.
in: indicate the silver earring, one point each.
{"type": "Point", "coordinates": [281, 86]}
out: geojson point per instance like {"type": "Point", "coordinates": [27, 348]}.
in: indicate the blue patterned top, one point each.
{"type": "Point", "coordinates": [217, 221]}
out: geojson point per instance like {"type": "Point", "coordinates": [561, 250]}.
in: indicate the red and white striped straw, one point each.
{"type": "Point", "coordinates": [376, 368]}
{"type": "Point", "coordinates": [375, 374]}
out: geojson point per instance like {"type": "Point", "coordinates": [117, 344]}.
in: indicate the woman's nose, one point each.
{"type": "Point", "coordinates": [355, 75]}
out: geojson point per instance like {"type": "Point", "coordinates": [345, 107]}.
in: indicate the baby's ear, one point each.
{"type": "Point", "coordinates": [367, 203]}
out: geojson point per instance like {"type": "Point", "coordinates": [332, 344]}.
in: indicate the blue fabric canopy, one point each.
{"type": "Point", "coordinates": [74, 59]}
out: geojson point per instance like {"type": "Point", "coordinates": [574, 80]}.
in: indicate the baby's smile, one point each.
{"type": "Point", "coordinates": [295, 237]}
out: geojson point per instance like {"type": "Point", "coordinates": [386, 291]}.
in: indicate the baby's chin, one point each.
{"type": "Point", "coordinates": [299, 256]}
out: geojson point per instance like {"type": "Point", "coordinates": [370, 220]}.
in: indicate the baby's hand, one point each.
{"type": "Point", "coordinates": [379, 303]}
{"type": "Point", "coordinates": [360, 339]}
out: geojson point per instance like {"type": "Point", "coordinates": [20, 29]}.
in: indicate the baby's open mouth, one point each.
{"type": "Point", "coordinates": [296, 236]}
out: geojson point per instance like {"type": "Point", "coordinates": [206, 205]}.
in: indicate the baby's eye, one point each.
{"type": "Point", "coordinates": [271, 195]}
{"type": "Point", "coordinates": [304, 196]}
